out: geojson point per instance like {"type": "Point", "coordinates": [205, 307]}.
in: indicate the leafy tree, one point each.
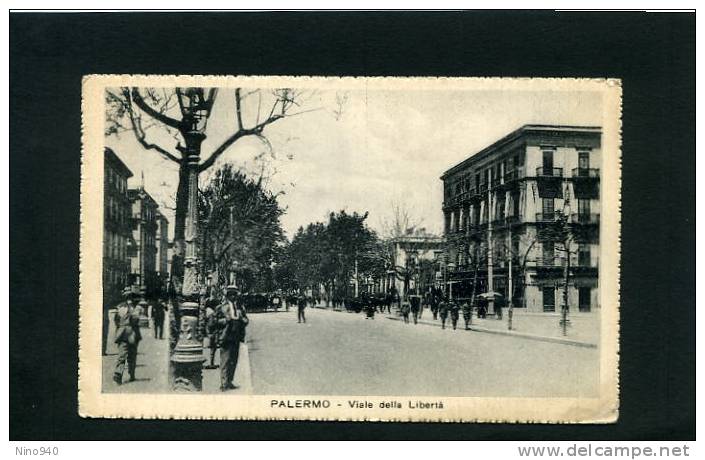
{"type": "Point", "coordinates": [241, 230]}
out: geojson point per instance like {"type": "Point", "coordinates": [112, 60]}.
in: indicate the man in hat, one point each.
{"type": "Point", "coordinates": [232, 320]}
{"type": "Point", "coordinates": [127, 336]}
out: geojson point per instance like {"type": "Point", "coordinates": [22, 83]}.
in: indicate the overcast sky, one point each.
{"type": "Point", "coordinates": [388, 146]}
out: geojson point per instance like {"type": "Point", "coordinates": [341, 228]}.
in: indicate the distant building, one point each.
{"type": "Point", "coordinates": [143, 248]}
{"type": "Point", "coordinates": [417, 257]}
{"type": "Point", "coordinates": [116, 234]}
{"type": "Point", "coordinates": [116, 228]}
{"type": "Point", "coordinates": [500, 205]}
{"type": "Point", "coordinates": [162, 244]}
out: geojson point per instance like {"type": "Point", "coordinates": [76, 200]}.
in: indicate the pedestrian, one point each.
{"type": "Point", "coordinates": [434, 307]}
{"type": "Point", "coordinates": [232, 321]}
{"type": "Point", "coordinates": [415, 305]}
{"type": "Point", "coordinates": [127, 337]}
{"type": "Point", "coordinates": [405, 308]}
{"type": "Point", "coordinates": [498, 306]}
{"type": "Point", "coordinates": [443, 310]}
{"type": "Point", "coordinates": [467, 314]}
{"type": "Point", "coordinates": [454, 313]}
{"type": "Point", "coordinates": [158, 314]}
{"type": "Point", "coordinates": [301, 304]}
{"type": "Point", "coordinates": [212, 328]}
{"type": "Point", "coordinates": [482, 308]}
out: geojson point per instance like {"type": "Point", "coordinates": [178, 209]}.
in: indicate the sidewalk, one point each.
{"type": "Point", "coordinates": [583, 329]}
{"type": "Point", "coordinates": [152, 368]}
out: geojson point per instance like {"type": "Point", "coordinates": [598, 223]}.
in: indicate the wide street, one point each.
{"type": "Point", "coordinates": [339, 353]}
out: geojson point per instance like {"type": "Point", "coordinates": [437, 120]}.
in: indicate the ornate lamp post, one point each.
{"type": "Point", "coordinates": [187, 358]}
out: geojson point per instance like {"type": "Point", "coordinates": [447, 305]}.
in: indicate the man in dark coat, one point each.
{"type": "Point", "coordinates": [301, 304]}
{"type": "Point", "coordinates": [232, 320]}
{"type": "Point", "coordinates": [443, 308]}
{"type": "Point", "coordinates": [415, 306]}
{"type": "Point", "coordinates": [158, 313]}
{"type": "Point", "coordinates": [127, 336]}
{"type": "Point", "coordinates": [454, 313]}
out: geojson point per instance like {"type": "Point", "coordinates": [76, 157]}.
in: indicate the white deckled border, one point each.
{"type": "Point", "coordinates": [94, 403]}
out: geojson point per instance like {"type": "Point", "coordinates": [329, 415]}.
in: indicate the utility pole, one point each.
{"type": "Point", "coordinates": [357, 284]}
{"type": "Point", "coordinates": [510, 299]}
{"type": "Point", "coordinates": [490, 267]}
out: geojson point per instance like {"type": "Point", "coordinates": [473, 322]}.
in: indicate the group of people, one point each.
{"type": "Point", "coordinates": [226, 323]}
{"type": "Point", "coordinates": [128, 320]}
{"type": "Point", "coordinates": [226, 326]}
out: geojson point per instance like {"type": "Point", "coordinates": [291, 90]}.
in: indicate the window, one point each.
{"type": "Point", "coordinates": [548, 254]}
{"type": "Point", "coordinates": [584, 296]}
{"type": "Point", "coordinates": [548, 162]}
{"type": "Point", "coordinates": [583, 210]}
{"type": "Point", "coordinates": [584, 255]}
{"type": "Point", "coordinates": [547, 209]}
{"type": "Point", "coordinates": [549, 299]}
{"type": "Point", "coordinates": [583, 163]}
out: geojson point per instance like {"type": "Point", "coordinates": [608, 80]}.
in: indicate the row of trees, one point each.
{"type": "Point", "coordinates": [240, 229]}
{"type": "Point", "coordinates": [331, 254]}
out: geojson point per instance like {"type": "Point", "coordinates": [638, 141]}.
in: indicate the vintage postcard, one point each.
{"type": "Point", "coordinates": [363, 249]}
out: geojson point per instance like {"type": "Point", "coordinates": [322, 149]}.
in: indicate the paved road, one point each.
{"type": "Point", "coordinates": [341, 353]}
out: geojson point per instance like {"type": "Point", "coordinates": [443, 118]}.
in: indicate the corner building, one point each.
{"type": "Point", "coordinates": [502, 208]}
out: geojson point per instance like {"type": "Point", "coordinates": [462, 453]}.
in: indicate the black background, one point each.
{"type": "Point", "coordinates": [654, 54]}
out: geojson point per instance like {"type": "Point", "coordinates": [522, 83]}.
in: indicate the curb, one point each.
{"type": "Point", "coordinates": [523, 335]}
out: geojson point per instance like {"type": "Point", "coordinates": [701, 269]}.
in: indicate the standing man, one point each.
{"type": "Point", "coordinates": [158, 313]}
{"type": "Point", "coordinates": [301, 304]}
{"type": "Point", "coordinates": [127, 336]}
{"type": "Point", "coordinates": [232, 321]}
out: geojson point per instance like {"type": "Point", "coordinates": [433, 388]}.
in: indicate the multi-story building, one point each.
{"type": "Point", "coordinates": [116, 228]}
{"type": "Point", "coordinates": [116, 234]}
{"type": "Point", "coordinates": [143, 248]}
{"type": "Point", "coordinates": [415, 256]}
{"type": "Point", "coordinates": [522, 216]}
{"type": "Point", "coordinates": [162, 244]}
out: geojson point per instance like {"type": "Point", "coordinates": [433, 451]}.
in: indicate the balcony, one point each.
{"type": "Point", "coordinates": [513, 175]}
{"type": "Point", "coordinates": [543, 171]}
{"type": "Point", "coordinates": [512, 220]}
{"type": "Point", "coordinates": [585, 173]}
{"type": "Point", "coordinates": [585, 218]}
{"type": "Point", "coordinates": [548, 266]}
{"type": "Point", "coordinates": [546, 217]}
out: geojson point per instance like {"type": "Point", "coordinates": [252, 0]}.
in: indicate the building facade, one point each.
{"type": "Point", "coordinates": [162, 243]}
{"type": "Point", "coordinates": [116, 228]}
{"type": "Point", "coordinates": [522, 218]}
{"type": "Point", "coordinates": [415, 263]}
{"type": "Point", "coordinates": [143, 245]}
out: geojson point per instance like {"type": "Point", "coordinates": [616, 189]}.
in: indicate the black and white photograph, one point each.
{"type": "Point", "coordinates": [351, 248]}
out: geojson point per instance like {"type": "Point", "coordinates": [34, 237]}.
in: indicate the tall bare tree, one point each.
{"type": "Point", "coordinates": [183, 114]}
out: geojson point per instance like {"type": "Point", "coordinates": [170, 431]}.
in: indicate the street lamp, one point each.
{"type": "Point", "coordinates": [451, 268]}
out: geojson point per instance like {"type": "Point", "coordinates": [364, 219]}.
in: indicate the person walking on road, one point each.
{"type": "Point", "coordinates": [127, 337]}
{"type": "Point", "coordinates": [415, 305]}
{"type": "Point", "coordinates": [467, 314]}
{"type": "Point", "coordinates": [443, 310]}
{"type": "Point", "coordinates": [405, 308]}
{"type": "Point", "coordinates": [301, 313]}
{"type": "Point", "coordinates": [232, 321]}
{"type": "Point", "coordinates": [158, 313]}
{"type": "Point", "coordinates": [454, 313]}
